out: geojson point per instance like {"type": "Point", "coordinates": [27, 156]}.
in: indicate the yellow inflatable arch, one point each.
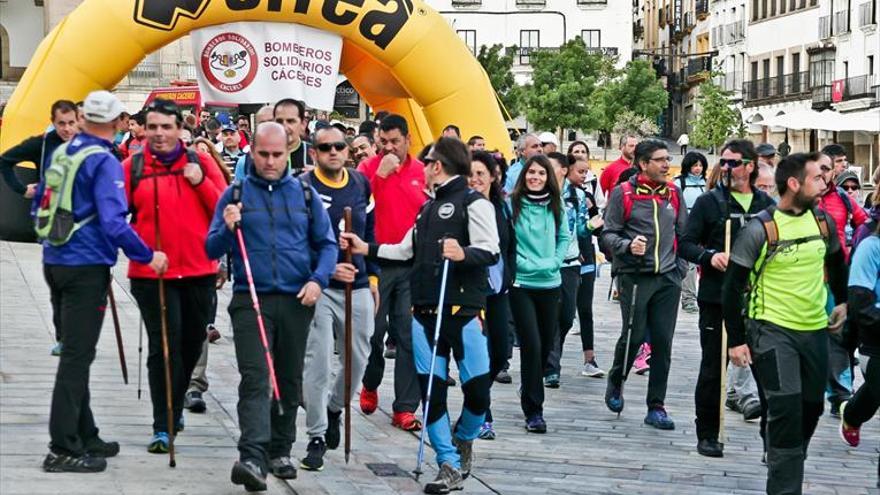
{"type": "Point", "coordinates": [400, 55]}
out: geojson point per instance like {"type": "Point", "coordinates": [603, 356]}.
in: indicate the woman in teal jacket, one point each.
{"type": "Point", "coordinates": [541, 244]}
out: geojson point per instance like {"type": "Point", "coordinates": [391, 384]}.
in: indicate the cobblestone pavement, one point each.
{"type": "Point", "coordinates": [586, 449]}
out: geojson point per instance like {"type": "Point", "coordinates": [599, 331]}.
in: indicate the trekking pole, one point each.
{"type": "Point", "coordinates": [256, 302]}
{"type": "Point", "coordinates": [140, 354]}
{"type": "Point", "coordinates": [723, 394]}
{"type": "Point", "coordinates": [346, 216]}
{"type": "Point", "coordinates": [119, 346]}
{"type": "Point", "coordinates": [629, 328]}
{"type": "Point", "coordinates": [163, 316]}
{"type": "Point", "coordinates": [427, 402]}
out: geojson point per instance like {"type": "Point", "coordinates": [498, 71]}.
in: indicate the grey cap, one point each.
{"type": "Point", "coordinates": [766, 149]}
{"type": "Point", "coordinates": [847, 175]}
{"type": "Point", "coordinates": [102, 107]}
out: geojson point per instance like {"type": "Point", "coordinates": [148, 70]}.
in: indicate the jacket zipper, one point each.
{"type": "Point", "coordinates": [656, 237]}
{"type": "Point", "coordinates": [272, 229]}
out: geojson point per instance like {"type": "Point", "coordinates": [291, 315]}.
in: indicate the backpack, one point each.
{"type": "Point", "coordinates": [54, 219]}
{"type": "Point", "coordinates": [682, 184]}
{"type": "Point", "coordinates": [630, 196]}
{"type": "Point", "coordinates": [137, 173]}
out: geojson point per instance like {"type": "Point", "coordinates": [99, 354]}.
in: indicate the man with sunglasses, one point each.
{"type": "Point", "coordinates": [735, 199]}
{"type": "Point", "coordinates": [287, 233]}
{"type": "Point", "coordinates": [324, 395]}
{"type": "Point", "coordinates": [171, 194]}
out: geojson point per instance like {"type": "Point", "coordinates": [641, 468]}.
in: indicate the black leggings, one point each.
{"type": "Point", "coordinates": [585, 309]}
{"type": "Point", "coordinates": [535, 312]}
{"type": "Point", "coordinates": [496, 327]}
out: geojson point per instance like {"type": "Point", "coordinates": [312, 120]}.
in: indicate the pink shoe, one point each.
{"type": "Point", "coordinates": [641, 366]}
{"type": "Point", "coordinates": [849, 434]}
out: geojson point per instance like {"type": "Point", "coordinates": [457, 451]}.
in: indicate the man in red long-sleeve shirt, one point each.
{"type": "Point", "coordinates": [398, 183]}
{"type": "Point", "coordinates": [844, 212]}
{"type": "Point", "coordinates": [610, 174]}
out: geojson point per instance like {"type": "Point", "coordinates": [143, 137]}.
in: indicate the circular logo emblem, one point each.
{"type": "Point", "coordinates": [446, 210]}
{"type": "Point", "coordinates": [229, 62]}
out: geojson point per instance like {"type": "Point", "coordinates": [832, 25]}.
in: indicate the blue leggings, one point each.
{"type": "Point", "coordinates": [463, 336]}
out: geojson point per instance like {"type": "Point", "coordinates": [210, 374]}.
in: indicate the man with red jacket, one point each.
{"type": "Point", "coordinates": [186, 187]}
{"type": "Point", "coordinates": [398, 183]}
{"type": "Point", "coordinates": [611, 173]}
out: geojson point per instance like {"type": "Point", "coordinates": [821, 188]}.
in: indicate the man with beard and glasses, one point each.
{"type": "Point", "coordinates": [779, 261]}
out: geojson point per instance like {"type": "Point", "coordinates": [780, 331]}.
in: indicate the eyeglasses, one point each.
{"type": "Point", "coordinates": [326, 147]}
{"type": "Point", "coordinates": [731, 163]}
{"type": "Point", "coordinates": [666, 159]}
{"type": "Point", "coordinates": [850, 187]}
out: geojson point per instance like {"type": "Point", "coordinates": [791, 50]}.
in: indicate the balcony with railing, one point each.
{"type": "Point", "coordinates": [784, 87]}
{"type": "Point", "coordinates": [841, 23]}
{"type": "Point", "coordinates": [697, 70]}
{"type": "Point", "coordinates": [825, 27]}
{"type": "Point", "coordinates": [160, 74]}
{"type": "Point", "coordinates": [702, 9]}
{"type": "Point", "coordinates": [638, 30]}
{"type": "Point", "coordinates": [868, 14]}
{"type": "Point", "coordinates": [608, 51]}
{"type": "Point", "coordinates": [858, 87]}
{"type": "Point", "coordinates": [466, 4]}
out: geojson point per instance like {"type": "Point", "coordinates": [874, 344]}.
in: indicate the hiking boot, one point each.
{"type": "Point", "coordinates": [194, 402]}
{"type": "Point", "coordinates": [658, 418]}
{"type": "Point", "coordinates": [751, 410]}
{"type": "Point", "coordinates": [332, 433]}
{"type": "Point", "coordinates": [56, 349]}
{"type": "Point", "coordinates": [466, 453]}
{"type": "Point", "coordinates": [96, 447]}
{"type": "Point", "coordinates": [390, 351]}
{"type": "Point", "coordinates": [282, 468]}
{"type": "Point", "coordinates": [592, 370]}
{"type": "Point", "coordinates": [503, 377]}
{"type": "Point", "coordinates": [159, 443]}
{"type": "Point", "coordinates": [551, 381]}
{"type": "Point", "coordinates": [536, 424]}
{"type": "Point", "coordinates": [249, 474]}
{"type": "Point", "coordinates": [447, 480]}
{"type": "Point", "coordinates": [369, 400]}
{"type": "Point", "coordinates": [849, 434]}
{"type": "Point", "coordinates": [314, 459]}
{"type": "Point", "coordinates": [486, 431]}
{"type": "Point", "coordinates": [614, 399]}
{"type": "Point", "coordinates": [641, 366]}
{"type": "Point", "coordinates": [406, 421]}
{"type": "Point", "coordinates": [212, 333]}
{"type": "Point", "coordinates": [62, 463]}
{"type": "Point", "coordinates": [710, 447]}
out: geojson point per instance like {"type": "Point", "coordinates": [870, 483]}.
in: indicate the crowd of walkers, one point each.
{"type": "Point", "coordinates": [450, 253]}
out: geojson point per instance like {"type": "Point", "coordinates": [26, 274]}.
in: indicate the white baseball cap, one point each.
{"type": "Point", "coordinates": [102, 107]}
{"type": "Point", "coordinates": [548, 137]}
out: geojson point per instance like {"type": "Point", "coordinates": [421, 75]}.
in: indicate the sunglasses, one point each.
{"type": "Point", "coordinates": [326, 147]}
{"type": "Point", "coordinates": [731, 163]}
{"type": "Point", "coordinates": [850, 188]}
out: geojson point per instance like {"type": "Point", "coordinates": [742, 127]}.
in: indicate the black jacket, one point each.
{"type": "Point", "coordinates": [704, 234]}
{"type": "Point", "coordinates": [36, 149]}
{"type": "Point", "coordinates": [506, 241]}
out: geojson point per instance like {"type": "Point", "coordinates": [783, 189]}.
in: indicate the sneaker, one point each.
{"type": "Point", "coordinates": [849, 434]}
{"type": "Point", "coordinates": [447, 480]}
{"type": "Point", "coordinates": [751, 410]}
{"type": "Point", "coordinates": [159, 443]}
{"type": "Point", "coordinates": [690, 307]}
{"type": "Point", "coordinates": [390, 351]}
{"type": "Point", "coordinates": [314, 459]}
{"type": "Point", "coordinates": [250, 475]}
{"type": "Point", "coordinates": [614, 399]}
{"type": "Point", "coordinates": [503, 377]}
{"type": "Point", "coordinates": [213, 333]}
{"type": "Point", "coordinates": [536, 424]}
{"type": "Point", "coordinates": [369, 400]}
{"type": "Point", "coordinates": [710, 447]}
{"type": "Point", "coordinates": [732, 404]}
{"type": "Point", "coordinates": [658, 418]}
{"type": "Point", "coordinates": [99, 448]}
{"type": "Point", "coordinates": [194, 402]}
{"type": "Point", "coordinates": [551, 381]}
{"type": "Point", "coordinates": [592, 370]}
{"type": "Point", "coordinates": [332, 433]}
{"type": "Point", "coordinates": [406, 421]}
{"type": "Point", "coordinates": [486, 431]}
{"type": "Point", "coordinates": [61, 463]}
{"type": "Point", "coordinates": [641, 366]}
{"type": "Point", "coordinates": [466, 453]}
{"type": "Point", "coordinates": [282, 468]}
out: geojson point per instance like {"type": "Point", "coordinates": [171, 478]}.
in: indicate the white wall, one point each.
{"type": "Point", "coordinates": [24, 23]}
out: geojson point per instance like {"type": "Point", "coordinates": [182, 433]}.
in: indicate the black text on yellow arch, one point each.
{"type": "Point", "coordinates": [163, 14]}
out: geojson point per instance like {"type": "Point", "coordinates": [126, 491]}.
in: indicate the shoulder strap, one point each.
{"type": "Point", "coordinates": [674, 198]}
{"type": "Point", "coordinates": [137, 171]}
{"type": "Point", "coordinates": [307, 196]}
{"type": "Point", "coordinates": [846, 202]}
{"type": "Point", "coordinates": [627, 189]}
{"type": "Point", "coordinates": [822, 222]}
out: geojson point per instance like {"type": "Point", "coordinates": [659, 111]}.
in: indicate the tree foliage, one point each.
{"type": "Point", "coordinates": [634, 92]}
{"type": "Point", "coordinates": [629, 122]}
{"type": "Point", "coordinates": [715, 119]}
{"type": "Point", "coordinates": [563, 82]}
{"type": "Point", "coordinates": [498, 63]}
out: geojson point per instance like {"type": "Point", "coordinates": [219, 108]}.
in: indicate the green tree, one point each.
{"type": "Point", "coordinates": [716, 120]}
{"type": "Point", "coordinates": [562, 83]}
{"type": "Point", "coordinates": [629, 122]}
{"type": "Point", "coordinates": [498, 63]}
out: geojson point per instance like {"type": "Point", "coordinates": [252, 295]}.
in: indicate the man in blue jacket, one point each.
{"type": "Point", "coordinates": [285, 227]}
{"type": "Point", "coordinates": [78, 274]}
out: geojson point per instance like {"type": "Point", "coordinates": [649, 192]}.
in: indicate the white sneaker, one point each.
{"type": "Point", "coordinates": [592, 370]}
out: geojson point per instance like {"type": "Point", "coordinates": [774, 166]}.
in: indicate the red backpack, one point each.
{"type": "Point", "coordinates": [630, 196]}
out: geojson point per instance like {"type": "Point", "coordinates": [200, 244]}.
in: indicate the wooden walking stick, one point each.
{"type": "Point", "coordinates": [346, 216]}
{"type": "Point", "coordinates": [723, 394]}
{"type": "Point", "coordinates": [118, 332]}
{"type": "Point", "coordinates": [163, 315]}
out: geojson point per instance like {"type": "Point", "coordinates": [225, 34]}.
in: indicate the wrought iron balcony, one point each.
{"type": "Point", "coordinates": [783, 87]}
{"type": "Point", "coordinates": [702, 9]}
{"type": "Point", "coordinates": [859, 87]}
{"type": "Point", "coordinates": [161, 74]}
